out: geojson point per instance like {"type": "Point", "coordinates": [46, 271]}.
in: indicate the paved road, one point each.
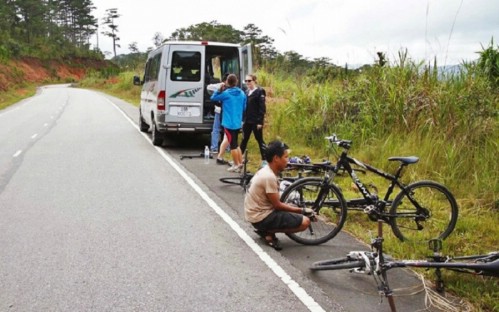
{"type": "Point", "coordinates": [93, 218]}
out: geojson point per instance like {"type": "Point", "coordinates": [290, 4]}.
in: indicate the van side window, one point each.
{"type": "Point", "coordinates": [186, 66]}
{"type": "Point", "coordinates": [152, 68]}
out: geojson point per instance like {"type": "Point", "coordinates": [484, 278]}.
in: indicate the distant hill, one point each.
{"type": "Point", "coordinates": [17, 72]}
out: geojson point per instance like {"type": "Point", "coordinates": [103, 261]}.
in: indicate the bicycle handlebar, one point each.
{"type": "Point", "coordinates": [333, 139]}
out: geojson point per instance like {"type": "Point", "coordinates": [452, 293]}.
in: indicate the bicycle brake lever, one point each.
{"type": "Point", "coordinates": [332, 139]}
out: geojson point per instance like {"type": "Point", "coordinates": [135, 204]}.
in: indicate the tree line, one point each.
{"type": "Point", "coordinates": [264, 52]}
{"type": "Point", "coordinates": [63, 28]}
{"type": "Point", "coordinates": [51, 28]}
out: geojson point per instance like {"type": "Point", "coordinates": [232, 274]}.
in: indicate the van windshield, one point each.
{"type": "Point", "coordinates": [186, 66]}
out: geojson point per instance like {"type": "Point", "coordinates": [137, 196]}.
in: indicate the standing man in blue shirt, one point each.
{"type": "Point", "coordinates": [233, 106]}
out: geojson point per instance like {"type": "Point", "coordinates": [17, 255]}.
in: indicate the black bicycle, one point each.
{"type": "Point", "coordinates": [420, 211]}
{"type": "Point", "coordinates": [244, 178]}
{"type": "Point", "coordinates": [375, 263]}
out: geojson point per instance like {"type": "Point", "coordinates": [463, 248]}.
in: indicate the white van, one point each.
{"type": "Point", "coordinates": [174, 98]}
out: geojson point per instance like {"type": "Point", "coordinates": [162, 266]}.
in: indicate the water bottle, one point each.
{"type": "Point", "coordinates": [206, 155]}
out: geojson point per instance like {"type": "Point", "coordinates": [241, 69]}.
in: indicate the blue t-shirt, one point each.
{"type": "Point", "coordinates": [233, 106]}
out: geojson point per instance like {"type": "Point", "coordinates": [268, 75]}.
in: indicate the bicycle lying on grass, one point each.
{"type": "Point", "coordinates": [420, 211]}
{"type": "Point", "coordinates": [376, 263]}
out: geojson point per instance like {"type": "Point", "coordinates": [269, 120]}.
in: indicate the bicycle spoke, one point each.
{"type": "Point", "coordinates": [305, 193]}
{"type": "Point", "coordinates": [433, 216]}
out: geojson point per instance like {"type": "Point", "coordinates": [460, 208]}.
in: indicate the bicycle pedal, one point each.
{"type": "Point", "coordinates": [369, 209]}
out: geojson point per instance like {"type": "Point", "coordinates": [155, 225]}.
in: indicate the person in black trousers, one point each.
{"type": "Point", "coordinates": [254, 116]}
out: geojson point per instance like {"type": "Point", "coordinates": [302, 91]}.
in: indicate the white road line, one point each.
{"type": "Point", "coordinates": [34, 136]}
{"type": "Point", "coordinates": [299, 292]}
{"type": "Point", "coordinates": [17, 153]}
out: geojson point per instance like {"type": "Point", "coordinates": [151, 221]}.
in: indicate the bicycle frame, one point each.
{"type": "Point", "coordinates": [375, 263]}
{"type": "Point", "coordinates": [370, 203]}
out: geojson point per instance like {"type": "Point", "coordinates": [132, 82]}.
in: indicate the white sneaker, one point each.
{"type": "Point", "coordinates": [237, 169]}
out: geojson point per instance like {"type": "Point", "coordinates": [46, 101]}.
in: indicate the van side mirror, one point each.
{"type": "Point", "coordinates": [136, 80]}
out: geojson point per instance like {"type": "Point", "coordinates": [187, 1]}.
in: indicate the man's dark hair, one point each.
{"type": "Point", "coordinates": [232, 80]}
{"type": "Point", "coordinates": [275, 148]}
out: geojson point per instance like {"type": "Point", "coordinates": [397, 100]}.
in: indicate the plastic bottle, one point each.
{"type": "Point", "coordinates": [206, 155]}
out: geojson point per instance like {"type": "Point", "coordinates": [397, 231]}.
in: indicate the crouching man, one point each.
{"type": "Point", "coordinates": [262, 205]}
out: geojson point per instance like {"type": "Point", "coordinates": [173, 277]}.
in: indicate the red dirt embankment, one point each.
{"type": "Point", "coordinates": [18, 72]}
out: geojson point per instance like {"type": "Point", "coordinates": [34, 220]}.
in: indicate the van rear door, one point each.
{"type": "Point", "coordinates": [246, 57]}
{"type": "Point", "coordinates": [184, 86]}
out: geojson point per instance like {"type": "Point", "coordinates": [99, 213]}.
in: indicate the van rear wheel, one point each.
{"type": "Point", "coordinates": [157, 137]}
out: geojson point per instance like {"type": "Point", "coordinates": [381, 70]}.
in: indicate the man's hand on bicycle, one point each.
{"type": "Point", "coordinates": [310, 213]}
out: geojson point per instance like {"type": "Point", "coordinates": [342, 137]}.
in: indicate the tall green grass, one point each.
{"type": "Point", "coordinates": [120, 85]}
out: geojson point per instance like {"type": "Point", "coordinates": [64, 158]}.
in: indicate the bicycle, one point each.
{"type": "Point", "coordinates": [375, 263]}
{"type": "Point", "coordinates": [245, 176]}
{"type": "Point", "coordinates": [423, 209]}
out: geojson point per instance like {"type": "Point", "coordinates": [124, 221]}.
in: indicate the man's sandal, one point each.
{"type": "Point", "coordinates": [273, 242]}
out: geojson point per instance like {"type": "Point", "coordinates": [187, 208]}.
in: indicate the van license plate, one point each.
{"type": "Point", "coordinates": [184, 112]}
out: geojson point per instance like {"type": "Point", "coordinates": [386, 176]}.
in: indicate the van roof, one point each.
{"type": "Point", "coordinates": [213, 43]}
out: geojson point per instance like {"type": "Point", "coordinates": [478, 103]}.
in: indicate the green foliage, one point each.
{"type": "Point", "coordinates": [131, 62]}
{"type": "Point", "coordinates": [12, 96]}
{"type": "Point", "coordinates": [118, 84]}
{"type": "Point", "coordinates": [261, 45]}
{"type": "Point", "coordinates": [212, 31]}
{"type": "Point", "coordinates": [46, 29]}
{"type": "Point", "coordinates": [489, 63]}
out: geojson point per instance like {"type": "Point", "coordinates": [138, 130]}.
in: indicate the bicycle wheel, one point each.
{"type": "Point", "coordinates": [430, 211]}
{"type": "Point", "coordinates": [328, 204]}
{"type": "Point", "coordinates": [232, 180]}
{"type": "Point", "coordinates": [338, 264]}
{"type": "Point", "coordinates": [242, 181]}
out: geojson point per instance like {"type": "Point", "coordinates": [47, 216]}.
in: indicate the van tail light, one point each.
{"type": "Point", "coordinates": [161, 102]}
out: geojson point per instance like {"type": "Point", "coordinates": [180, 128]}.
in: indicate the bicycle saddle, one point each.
{"type": "Point", "coordinates": [406, 160]}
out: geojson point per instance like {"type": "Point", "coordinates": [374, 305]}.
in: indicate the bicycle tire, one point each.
{"type": "Point", "coordinates": [438, 222]}
{"type": "Point", "coordinates": [331, 214]}
{"type": "Point", "coordinates": [338, 264]}
{"type": "Point", "coordinates": [243, 180]}
{"type": "Point", "coordinates": [232, 180]}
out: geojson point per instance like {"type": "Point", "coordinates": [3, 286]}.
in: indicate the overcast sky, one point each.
{"type": "Point", "coordinates": [346, 31]}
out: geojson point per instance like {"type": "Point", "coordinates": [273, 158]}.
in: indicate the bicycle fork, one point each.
{"type": "Point", "coordinates": [318, 204]}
